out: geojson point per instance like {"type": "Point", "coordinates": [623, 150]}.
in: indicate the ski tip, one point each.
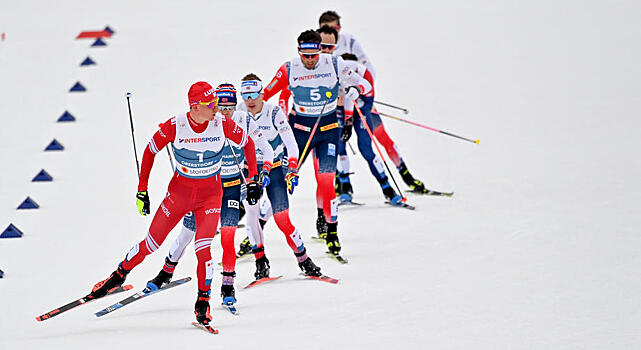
{"type": "Point", "coordinates": [206, 328]}
{"type": "Point", "coordinates": [127, 287]}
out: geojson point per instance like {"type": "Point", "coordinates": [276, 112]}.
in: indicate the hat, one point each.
{"type": "Point", "coordinates": [200, 92]}
{"type": "Point", "coordinates": [226, 93]}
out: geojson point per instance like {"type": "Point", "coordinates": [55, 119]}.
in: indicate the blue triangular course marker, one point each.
{"type": "Point", "coordinates": [1, 273]}
{"type": "Point", "coordinates": [42, 176]}
{"type": "Point", "coordinates": [88, 62]}
{"type": "Point", "coordinates": [77, 88]}
{"type": "Point", "coordinates": [54, 146]}
{"type": "Point", "coordinates": [66, 117]}
{"type": "Point", "coordinates": [109, 30]}
{"type": "Point", "coordinates": [11, 232]}
{"type": "Point", "coordinates": [28, 204]}
{"type": "Point", "coordinates": [99, 42]}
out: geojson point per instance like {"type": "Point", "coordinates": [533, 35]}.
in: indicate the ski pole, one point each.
{"type": "Point", "coordinates": [429, 128]}
{"type": "Point", "coordinates": [171, 160]}
{"type": "Point", "coordinates": [352, 148]}
{"type": "Point", "coordinates": [242, 175]}
{"type": "Point", "coordinates": [131, 122]}
{"type": "Point", "coordinates": [369, 131]}
{"type": "Point", "coordinates": [328, 94]}
{"type": "Point", "coordinates": [392, 106]}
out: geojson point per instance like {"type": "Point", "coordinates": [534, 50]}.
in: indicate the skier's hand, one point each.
{"type": "Point", "coordinates": [352, 92]}
{"type": "Point", "coordinates": [346, 133]}
{"type": "Point", "coordinates": [142, 202]}
{"type": "Point", "coordinates": [292, 180]}
{"type": "Point", "coordinates": [253, 192]}
{"type": "Point", "coordinates": [263, 178]}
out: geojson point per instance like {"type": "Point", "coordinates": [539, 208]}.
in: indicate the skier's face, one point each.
{"type": "Point", "coordinates": [253, 104]}
{"type": "Point", "coordinates": [328, 43]}
{"type": "Point", "coordinates": [227, 109]}
{"type": "Point", "coordinates": [202, 113]}
{"type": "Point", "coordinates": [309, 57]}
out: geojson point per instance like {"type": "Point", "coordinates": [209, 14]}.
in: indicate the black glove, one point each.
{"type": "Point", "coordinates": [253, 192]}
{"type": "Point", "coordinates": [142, 202]}
{"type": "Point", "coordinates": [346, 133]}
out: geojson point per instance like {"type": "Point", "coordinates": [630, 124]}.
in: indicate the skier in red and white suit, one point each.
{"type": "Point", "coordinates": [197, 138]}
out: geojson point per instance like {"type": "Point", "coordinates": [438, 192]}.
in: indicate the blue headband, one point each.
{"type": "Point", "coordinates": [303, 46]}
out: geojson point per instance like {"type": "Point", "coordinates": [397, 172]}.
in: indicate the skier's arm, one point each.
{"type": "Point", "coordinates": [233, 131]}
{"type": "Point", "coordinates": [278, 83]}
{"type": "Point", "coordinates": [261, 143]}
{"type": "Point", "coordinates": [347, 77]}
{"type": "Point", "coordinates": [164, 135]}
{"type": "Point", "coordinates": [250, 156]}
{"type": "Point", "coordinates": [283, 100]}
{"type": "Point", "coordinates": [286, 134]}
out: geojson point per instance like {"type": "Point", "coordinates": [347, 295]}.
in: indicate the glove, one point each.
{"type": "Point", "coordinates": [346, 133]}
{"type": "Point", "coordinates": [352, 92]}
{"type": "Point", "coordinates": [142, 202]}
{"type": "Point", "coordinates": [292, 180]}
{"type": "Point", "coordinates": [253, 192]}
{"type": "Point", "coordinates": [263, 178]}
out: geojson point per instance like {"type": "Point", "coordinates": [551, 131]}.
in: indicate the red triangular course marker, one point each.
{"type": "Point", "coordinates": [94, 34]}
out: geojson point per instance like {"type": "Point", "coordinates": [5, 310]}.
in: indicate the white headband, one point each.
{"type": "Point", "coordinates": [250, 86]}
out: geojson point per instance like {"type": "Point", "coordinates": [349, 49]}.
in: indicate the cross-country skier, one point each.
{"type": "Point", "coordinates": [365, 101]}
{"type": "Point", "coordinates": [313, 79]}
{"type": "Point", "coordinates": [346, 43]}
{"type": "Point", "coordinates": [273, 123]}
{"type": "Point", "coordinates": [233, 194]}
{"type": "Point", "coordinates": [197, 138]}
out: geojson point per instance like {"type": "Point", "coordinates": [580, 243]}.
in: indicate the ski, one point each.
{"type": "Point", "coordinates": [336, 257]}
{"type": "Point", "coordinates": [144, 293]}
{"type": "Point", "coordinates": [79, 302]}
{"type": "Point", "coordinates": [433, 193]}
{"type": "Point", "coordinates": [349, 203]}
{"type": "Point", "coordinates": [205, 327]}
{"type": "Point", "coordinates": [262, 280]}
{"type": "Point", "coordinates": [401, 205]}
{"type": "Point", "coordinates": [323, 278]}
{"type": "Point", "coordinates": [318, 239]}
{"type": "Point", "coordinates": [231, 308]}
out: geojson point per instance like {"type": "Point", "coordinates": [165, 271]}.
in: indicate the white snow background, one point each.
{"type": "Point", "coordinates": [538, 248]}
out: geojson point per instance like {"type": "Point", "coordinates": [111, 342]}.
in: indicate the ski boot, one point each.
{"type": "Point", "coordinates": [244, 248]}
{"type": "Point", "coordinates": [309, 268]}
{"type": "Point", "coordinates": [115, 280]}
{"type": "Point", "coordinates": [321, 224]}
{"type": "Point", "coordinates": [333, 245]}
{"type": "Point", "coordinates": [390, 194]}
{"type": "Point", "coordinates": [201, 309]}
{"type": "Point", "coordinates": [262, 268]}
{"type": "Point", "coordinates": [228, 294]}
{"type": "Point", "coordinates": [343, 187]}
{"type": "Point", "coordinates": [162, 278]}
{"type": "Point", "coordinates": [410, 181]}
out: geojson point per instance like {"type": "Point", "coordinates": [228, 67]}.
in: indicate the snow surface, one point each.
{"type": "Point", "coordinates": [539, 248]}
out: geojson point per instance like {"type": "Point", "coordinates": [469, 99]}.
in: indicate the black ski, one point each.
{"type": "Point", "coordinates": [78, 302]}
{"type": "Point", "coordinates": [432, 193]}
{"type": "Point", "coordinates": [336, 257]}
{"type": "Point", "coordinates": [401, 205]}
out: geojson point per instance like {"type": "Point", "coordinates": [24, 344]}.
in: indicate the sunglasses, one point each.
{"type": "Point", "coordinates": [309, 55]}
{"type": "Point", "coordinates": [252, 95]}
{"type": "Point", "coordinates": [327, 46]}
{"type": "Point", "coordinates": [211, 104]}
{"type": "Point", "coordinates": [226, 107]}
